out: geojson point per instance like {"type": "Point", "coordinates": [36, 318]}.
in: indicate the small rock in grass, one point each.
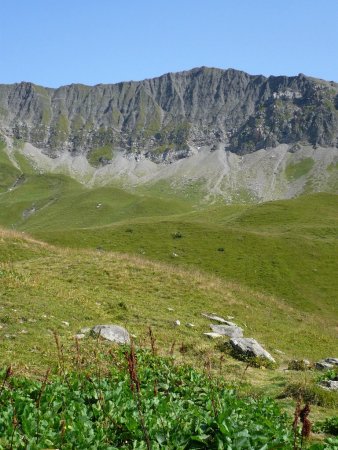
{"type": "Point", "coordinates": [177, 323]}
{"type": "Point", "coordinates": [218, 319]}
{"type": "Point", "coordinates": [331, 385]}
{"type": "Point", "coordinates": [213, 335]}
{"type": "Point", "coordinates": [10, 336]}
{"type": "Point", "coordinates": [189, 325]}
{"type": "Point", "coordinates": [113, 333]}
{"type": "Point", "coordinates": [64, 322]}
{"type": "Point", "coordinates": [85, 330]}
{"type": "Point", "coordinates": [80, 336]}
{"type": "Point", "coordinates": [279, 351]}
{"type": "Point", "coordinates": [170, 309]}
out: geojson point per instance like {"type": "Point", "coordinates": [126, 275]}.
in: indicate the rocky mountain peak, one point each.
{"type": "Point", "coordinates": [167, 116]}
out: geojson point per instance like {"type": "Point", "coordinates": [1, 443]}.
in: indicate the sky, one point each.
{"type": "Point", "coordinates": [54, 43]}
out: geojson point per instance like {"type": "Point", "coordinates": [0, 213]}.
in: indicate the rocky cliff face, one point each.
{"type": "Point", "coordinates": [165, 118]}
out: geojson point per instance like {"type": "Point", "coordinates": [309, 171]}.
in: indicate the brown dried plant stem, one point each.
{"type": "Point", "coordinates": [301, 415]}
{"type": "Point", "coordinates": [8, 374]}
{"type": "Point", "coordinates": [61, 358]}
{"type": "Point", "coordinates": [135, 387]}
{"type": "Point", "coordinates": [152, 341]}
{"type": "Point", "coordinates": [38, 402]}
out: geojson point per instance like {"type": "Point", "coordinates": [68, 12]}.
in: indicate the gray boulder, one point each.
{"type": "Point", "coordinates": [327, 363]}
{"type": "Point", "coordinates": [113, 333]}
{"type": "Point", "coordinates": [250, 347]}
{"type": "Point", "coordinates": [228, 330]}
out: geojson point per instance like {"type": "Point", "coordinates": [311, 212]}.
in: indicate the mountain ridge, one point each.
{"type": "Point", "coordinates": [164, 117]}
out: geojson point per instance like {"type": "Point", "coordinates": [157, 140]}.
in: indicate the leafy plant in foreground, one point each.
{"type": "Point", "coordinates": [187, 410]}
{"type": "Point", "coordinates": [329, 425]}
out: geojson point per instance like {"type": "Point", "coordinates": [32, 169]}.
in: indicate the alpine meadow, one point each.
{"type": "Point", "coordinates": [168, 263]}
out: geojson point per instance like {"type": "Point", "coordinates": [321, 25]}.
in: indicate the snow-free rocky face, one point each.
{"type": "Point", "coordinates": [180, 116]}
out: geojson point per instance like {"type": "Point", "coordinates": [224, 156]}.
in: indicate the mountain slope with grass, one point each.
{"type": "Point", "coordinates": [44, 286]}
{"type": "Point", "coordinates": [48, 294]}
{"type": "Point", "coordinates": [256, 245]}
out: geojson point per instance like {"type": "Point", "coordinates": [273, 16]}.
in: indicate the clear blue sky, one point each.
{"type": "Point", "coordinates": [105, 41]}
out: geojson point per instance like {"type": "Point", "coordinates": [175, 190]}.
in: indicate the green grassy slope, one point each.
{"type": "Point", "coordinates": [285, 248]}
{"type": "Point", "coordinates": [47, 201]}
{"type": "Point", "coordinates": [8, 173]}
{"type": "Point", "coordinates": [43, 286]}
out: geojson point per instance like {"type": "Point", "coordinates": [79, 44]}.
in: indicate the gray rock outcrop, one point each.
{"type": "Point", "coordinates": [250, 347]}
{"type": "Point", "coordinates": [113, 333]}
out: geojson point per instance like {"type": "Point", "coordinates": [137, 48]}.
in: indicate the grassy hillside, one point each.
{"type": "Point", "coordinates": [8, 173]}
{"type": "Point", "coordinates": [259, 246]}
{"type": "Point", "coordinates": [285, 248]}
{"type": "Point", "coordinates": [43, 286]}
{"type": "Point", "coordinates": [46, 201]}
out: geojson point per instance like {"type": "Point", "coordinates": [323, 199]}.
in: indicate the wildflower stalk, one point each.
{"type": "Point", "coordinates": [38, 402]}
{"type": "Point", "coordinates": [8, 374]}
{"type": "Point", "coordinates": [135, 387]}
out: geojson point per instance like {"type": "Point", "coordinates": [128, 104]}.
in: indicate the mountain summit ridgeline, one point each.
{"type": "Point", "coordinates": [209, 133]}
{"type": "Point", "coordinates": [163, 117]}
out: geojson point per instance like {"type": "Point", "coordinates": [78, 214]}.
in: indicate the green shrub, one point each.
{"type": "Point", "coordinates": [329, 425]}
{"type": "Point", "coordinates": [296, 364]}
{"type": "Point", "coordinates": [331, 374]}
{"type": "Point", "coordinates": [312, 394]}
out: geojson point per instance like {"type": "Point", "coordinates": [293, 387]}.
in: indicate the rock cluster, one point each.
{"type": "Point", "coordinates": [243, 347]}
{"type": "Point", "coordinates": [327, 363]}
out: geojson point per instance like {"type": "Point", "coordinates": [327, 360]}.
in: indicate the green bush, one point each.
{"type": "Point", "coordinates": [312, 394]}
{"type": "Point", "coordinates": [329, 425]}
